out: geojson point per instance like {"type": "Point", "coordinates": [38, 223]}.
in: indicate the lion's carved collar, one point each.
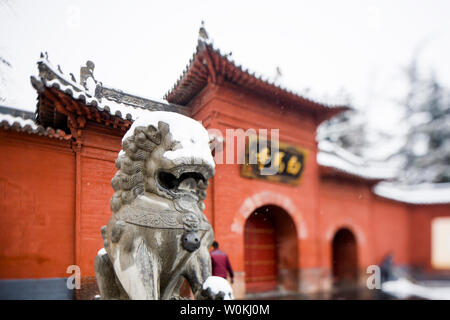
{"type": "Point", "coordinates": [144, 216]}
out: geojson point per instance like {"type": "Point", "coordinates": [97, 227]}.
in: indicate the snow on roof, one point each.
{"type": "Point", "coordinates": [333, 156]}
{"type": "Point", "coordinates": [121, 110]}
{"type": "Point", "coordinates": [65, 84]}
{"type": "Point", "coordinates": [59, 74]}
{"type": "Point", "coordinates": [11, 121]}
{"type": "Point", "coordinates": [424, 193]}
{"type": "Point", "coordinates": [20, 124]}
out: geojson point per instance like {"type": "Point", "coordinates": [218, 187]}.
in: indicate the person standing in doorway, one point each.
{"type": "Point", "coordinates": [220, 263]}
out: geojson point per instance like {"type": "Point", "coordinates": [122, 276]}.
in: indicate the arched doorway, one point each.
{"type": "Point", "coordinates": [345, 258]}
{"type": "Point", "coordinates": [271, 251]}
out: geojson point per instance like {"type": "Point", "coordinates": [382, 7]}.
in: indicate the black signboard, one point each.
{"type": "Point", "coordinates": [265, 160]}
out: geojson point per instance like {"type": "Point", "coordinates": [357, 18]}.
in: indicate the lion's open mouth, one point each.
{"type": "Point", "coordinates": [183, 181]}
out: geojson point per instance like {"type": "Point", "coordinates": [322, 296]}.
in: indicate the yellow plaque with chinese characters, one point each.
{"type": "Point", "coordinates": [266, 160]}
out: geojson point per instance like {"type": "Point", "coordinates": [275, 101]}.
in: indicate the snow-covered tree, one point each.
{"type": "Point", "coordinates": [426, 153]}
{"type": "Point", "coordinates": [346, 130]}
{"type": "Point", "coordinates": [4, 66]}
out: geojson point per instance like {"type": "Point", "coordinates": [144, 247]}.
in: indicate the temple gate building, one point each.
{"type": "Point", "coordinates": [321, 220]}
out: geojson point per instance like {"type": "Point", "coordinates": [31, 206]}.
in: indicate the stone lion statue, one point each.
{"type": "Point", "coordinates": [158, 235]}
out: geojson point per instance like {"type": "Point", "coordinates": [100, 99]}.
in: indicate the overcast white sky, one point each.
{"type": "Point", "coordinates": [143, 46]}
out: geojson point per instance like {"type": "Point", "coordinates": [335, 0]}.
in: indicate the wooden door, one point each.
{"type": "Point", "coordinates": [261, 272]}
{"type": "Point", "coordinates": [345, 265]}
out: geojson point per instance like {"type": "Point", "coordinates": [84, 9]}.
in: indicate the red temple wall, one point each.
{"type": "Point", "coordinates": [344, 204]}
{"type": "Point", "coordinates": [421, 218]}
{"type": "Point", "coordinates": [98, 154]}
{"type": "Point", "coordinates": [63, 202]}
{"type": "Point", "coordinates": [37, 222]}
{"type": "Point", "coordinates": [390, 230]}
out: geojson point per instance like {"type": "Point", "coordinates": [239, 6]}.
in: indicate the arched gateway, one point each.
{"type": "Point", "coordinates": [345, 258]}
{"type": "Point", "coordinates": [271, 251]}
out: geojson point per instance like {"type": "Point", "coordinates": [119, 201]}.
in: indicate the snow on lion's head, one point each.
{"type": "Point", "coordinates": [163, 153]}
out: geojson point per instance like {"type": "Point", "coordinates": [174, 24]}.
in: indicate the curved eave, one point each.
{"type": "Point", "coordinates": [423, 194]}
{"type": "Point", "coordinates": [55, 88]}
{"type": "Point", "coordinates": [81, 103]}
{"type": "Point", "coordinates": [332, 163]}
{"type": "Point", "coordinates": [329, 171]}
{"type": "Point", "coordinates": [210, 65]}
{"type": "Point", "coordinates": [19, 124]}
{"type": "Point", "coordinates": [53, 95]}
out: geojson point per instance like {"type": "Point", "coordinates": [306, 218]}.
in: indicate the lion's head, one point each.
{"type": "Point", "coordinates": [165, 154]}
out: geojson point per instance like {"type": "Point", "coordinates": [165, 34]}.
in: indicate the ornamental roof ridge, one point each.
{"type": "Point", "coordinates": [93, 93]}
{"type": "Point", "coordinates": [207, 62]}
